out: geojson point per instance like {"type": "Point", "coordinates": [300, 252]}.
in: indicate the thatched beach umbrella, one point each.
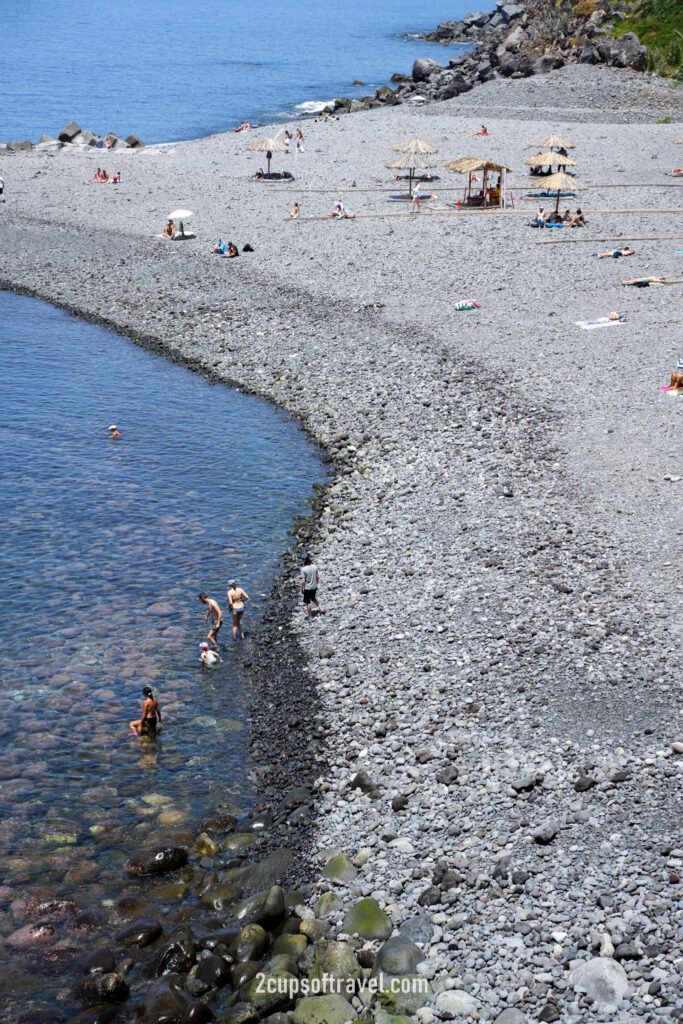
{"type": "Point", "coordinates": [268, 146]}
{"type": "Point", "coordinates": [410, 162]}
{"type": "Point", "coordinates": [563, 183]}
{"type": "Point", "coordinates": [550, 160]}
{"type": "Point", "coordinates": [470, 164]}
{"type": "Point", "coordinates": [553, 142]}
{"type": "Point", "coordinates": [415, 146]}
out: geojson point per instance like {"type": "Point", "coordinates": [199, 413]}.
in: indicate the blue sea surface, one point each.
{"type": "Point", "coordinates": [169, 69]}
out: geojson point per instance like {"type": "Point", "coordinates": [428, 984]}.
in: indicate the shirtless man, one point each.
{"type": "Point", "coordinates": [237, 598]}
{"type": "Point", "coordinates": [216, 615]}
{"type": "Point", "coordinates": [151, 712]}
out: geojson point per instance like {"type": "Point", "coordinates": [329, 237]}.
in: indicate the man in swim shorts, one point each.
{"type": "Point", "coordinates": [310, 578]}
{"type": "Point", "coordinates": [214, 613]}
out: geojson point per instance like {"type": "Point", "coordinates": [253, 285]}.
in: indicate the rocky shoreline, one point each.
{"type": "Point", "coordinates": [479, 736]}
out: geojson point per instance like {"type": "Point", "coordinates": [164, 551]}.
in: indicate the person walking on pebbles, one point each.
{"type": "Point", "coordinates": [310, 578]}
{"type": "Point", "coordinates": [237, 598]}
{"type": "Point", "coordinates": [216, 615]}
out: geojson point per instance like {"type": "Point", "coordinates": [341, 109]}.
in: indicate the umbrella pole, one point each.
{"type": "Point", "coordinates": [410, 182]}
{"type": "Point", "coordinates": [269, 166]}
{"type": "Point", "coordinates": [485, 177]}
{"type": "Point", "coordinates": [557, 204]}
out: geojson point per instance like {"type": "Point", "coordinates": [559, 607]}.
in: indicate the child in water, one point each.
{"type": "Point", "coordinates": [208, 657]}
{"type": "Point", "coordinates": [114, 432]}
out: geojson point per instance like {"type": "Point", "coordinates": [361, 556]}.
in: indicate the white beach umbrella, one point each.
{"type": "Point", "coordinates": [180, 214]}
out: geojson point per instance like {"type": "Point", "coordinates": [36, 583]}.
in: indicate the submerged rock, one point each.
{"type": "Point", "coordinates": [156, 860]}
{"type": "Point", "coordinates": [101, 988]}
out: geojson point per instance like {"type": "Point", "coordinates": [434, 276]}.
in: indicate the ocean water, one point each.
{"type": "Point", "coordinates": [104, 546]}
{"type": "Point", "coordinates": [169, 70]}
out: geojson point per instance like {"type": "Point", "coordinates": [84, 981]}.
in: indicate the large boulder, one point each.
{"type": "Point", "coordinates": [424, 67]}
{"type": "Point", "coordinates": [396, 957]}
{"type": "Point", "coordinates": [448, 30]}
{"type": "Point", "coordinates": [510, 11]}
{"type": "Point", "coordinates": [24, 146]}
{"type": "Point", "coordinates": [453, 87]}
{"type": "Point", "coordinates": [270, 991]}
{"type": "Point", "coordinates": [134, 142]}
{"type": "Point", "coordinates": [367, 919]}
{"type": "Point", "coordinates": [520, 67]}
{"type": "Point", "coordinates": [336, 968]}
{"type": "Point", "coordinates": [514, 39]}
{"type": "Point", "coordinates": [94, 989]}
{"type": "Point", "coordinates": [589, 55]}
{"type": "Point", "coordinates": [548, 62]}
{"type": "Point", "coordinates": [69, 133]}
{"type": "Point", "coordinates": [251, 942]}
{"type": "Point", "coordinates": [456, 1002]}
{"type": "Point", "coordinates": [628, 53]}
{"type": "Point", "coordinates": [331, 1009]}
{"type": "Point", "coordinates": [478, 19]}
{"type": "Point", "coordinates": [156, 860]}
{"type": "Point", "coordinates": [603, 979]}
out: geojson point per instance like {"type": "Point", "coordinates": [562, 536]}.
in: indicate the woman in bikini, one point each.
{"type": "Point", "coordinates": [151, 713]}
{"type": "Point", "coordinates": [237, 598]}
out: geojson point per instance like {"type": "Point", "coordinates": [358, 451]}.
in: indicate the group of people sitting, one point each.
{"type": "Point", "coordinates": [222, 249]}
{"type": "Point", "coordinates": [103, 178]}
{"type": "Point", "coordinates": [327, 117]}
{"type": "Point", "coordinates": [262, 175]}
{"type": "Point", "coordinates": [557, 219]}
{"type": "Point", "coordinates": [244, 127]}
{"type": "Point", "coordinates": [341, 213]}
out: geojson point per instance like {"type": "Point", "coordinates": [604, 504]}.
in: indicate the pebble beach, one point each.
{"type": "Point", "coordinates": [483, 732]}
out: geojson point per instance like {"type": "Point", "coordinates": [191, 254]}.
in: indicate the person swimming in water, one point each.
{"type": "Point", "coordinates": [114, 432]}
{"type": "Point", "coordinates": [151, 714]}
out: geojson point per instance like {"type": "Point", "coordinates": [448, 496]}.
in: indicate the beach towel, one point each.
{"type": "Point", "coordinates": [466, 304]}
{"type": "Point", "coordinates": [673, 391]}
{"type": "Point", "coordinates": [601, 321]}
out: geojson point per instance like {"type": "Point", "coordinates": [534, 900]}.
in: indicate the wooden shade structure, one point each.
{"type": "Point", "coordinates": [410, 162]}
{"type": "Point", "coordinates": [415, 146]}
{"type": "Point", "coordinates": [469, 165]}
{"type": "Point", "coordinates": [563, 183]}
{"type": "Point", "coordinates": [550, 160]}
{"type": "Point", "coordinates": [268, 146]}
{"type": "Point", "coordinates": [553, 142]}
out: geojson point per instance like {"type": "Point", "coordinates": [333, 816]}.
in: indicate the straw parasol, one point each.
{"type": "Point", "coordinates": [470, 164]}
{"type": "Point", "coordinates": [415, 146]}
{"type": "Point", "coordinates": [563, 183]}
{"type": "Point", "coordinates": [268, 146]}
{"type": "Point", "coordinates": [410, 162]}
{"type": "Point", "coordinates": [553, 142]}
{"type": "Point", "coordinates": [550, 160]}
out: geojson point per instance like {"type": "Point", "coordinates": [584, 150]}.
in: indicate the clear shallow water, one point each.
{"type": "Point", "coordinates": [203, 485]}
{"type": "Point", "coordinates": [168, 69]}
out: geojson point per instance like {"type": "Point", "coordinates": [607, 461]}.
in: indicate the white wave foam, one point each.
{"type": "Point", "coordinates": [314, 106]}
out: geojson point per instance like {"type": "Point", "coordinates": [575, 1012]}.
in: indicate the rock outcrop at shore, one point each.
{"type": "Point", "coordinates": [74, 135]}
{"type": "Point", "coordinates": [515, 40]}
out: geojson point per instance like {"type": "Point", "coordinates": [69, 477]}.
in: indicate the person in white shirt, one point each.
{"type": "Point", "coordinates": [310, 578]}
{"type": "Point", "coordinates": [208, 657]}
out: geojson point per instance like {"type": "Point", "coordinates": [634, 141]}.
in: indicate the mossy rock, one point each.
{"type": "Point", "coordinates": [339, 869]}
{"type": "Point", "coordinates": [290, 945]}
{"type": "Point", "coordinates": [396, 957]}
{"type": "Point", "coordinates": [206, 846]}
{"type": "Point", "coordinates": [336, 961]}
{"type": "Point", "coordinates": [382, 1017]}
{"type": "Point", "coordinates": [314, 929]}
{"type": "Point", "coordinates": [294, 898]}
{"type": "Point", "coordinates": [272, 991]}
{"type": "Point", "coordinates": [283, 962]}
{"type": "Point", "coordinates": [396, 1001]}
{"type": "Point", "coordinates": [328, 905]}
{"type": "Point", "coordinates": [251, 942]}
{"type": "Point", "coordinates": [323, 1010]}
{"type": "Point", "coordinates": [385, 91]}
{"type": "Point", "coordinates": [174, 892]}
{"type": "Point", "coordinates": [367, 919]}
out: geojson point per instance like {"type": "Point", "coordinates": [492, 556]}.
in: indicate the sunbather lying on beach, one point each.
{"type": "Point", "coordinates": [616, 253]}
{"type": "Point", "coordinates": [676, 173]}
{"type": "Point", "coordinates": [645, 282]}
